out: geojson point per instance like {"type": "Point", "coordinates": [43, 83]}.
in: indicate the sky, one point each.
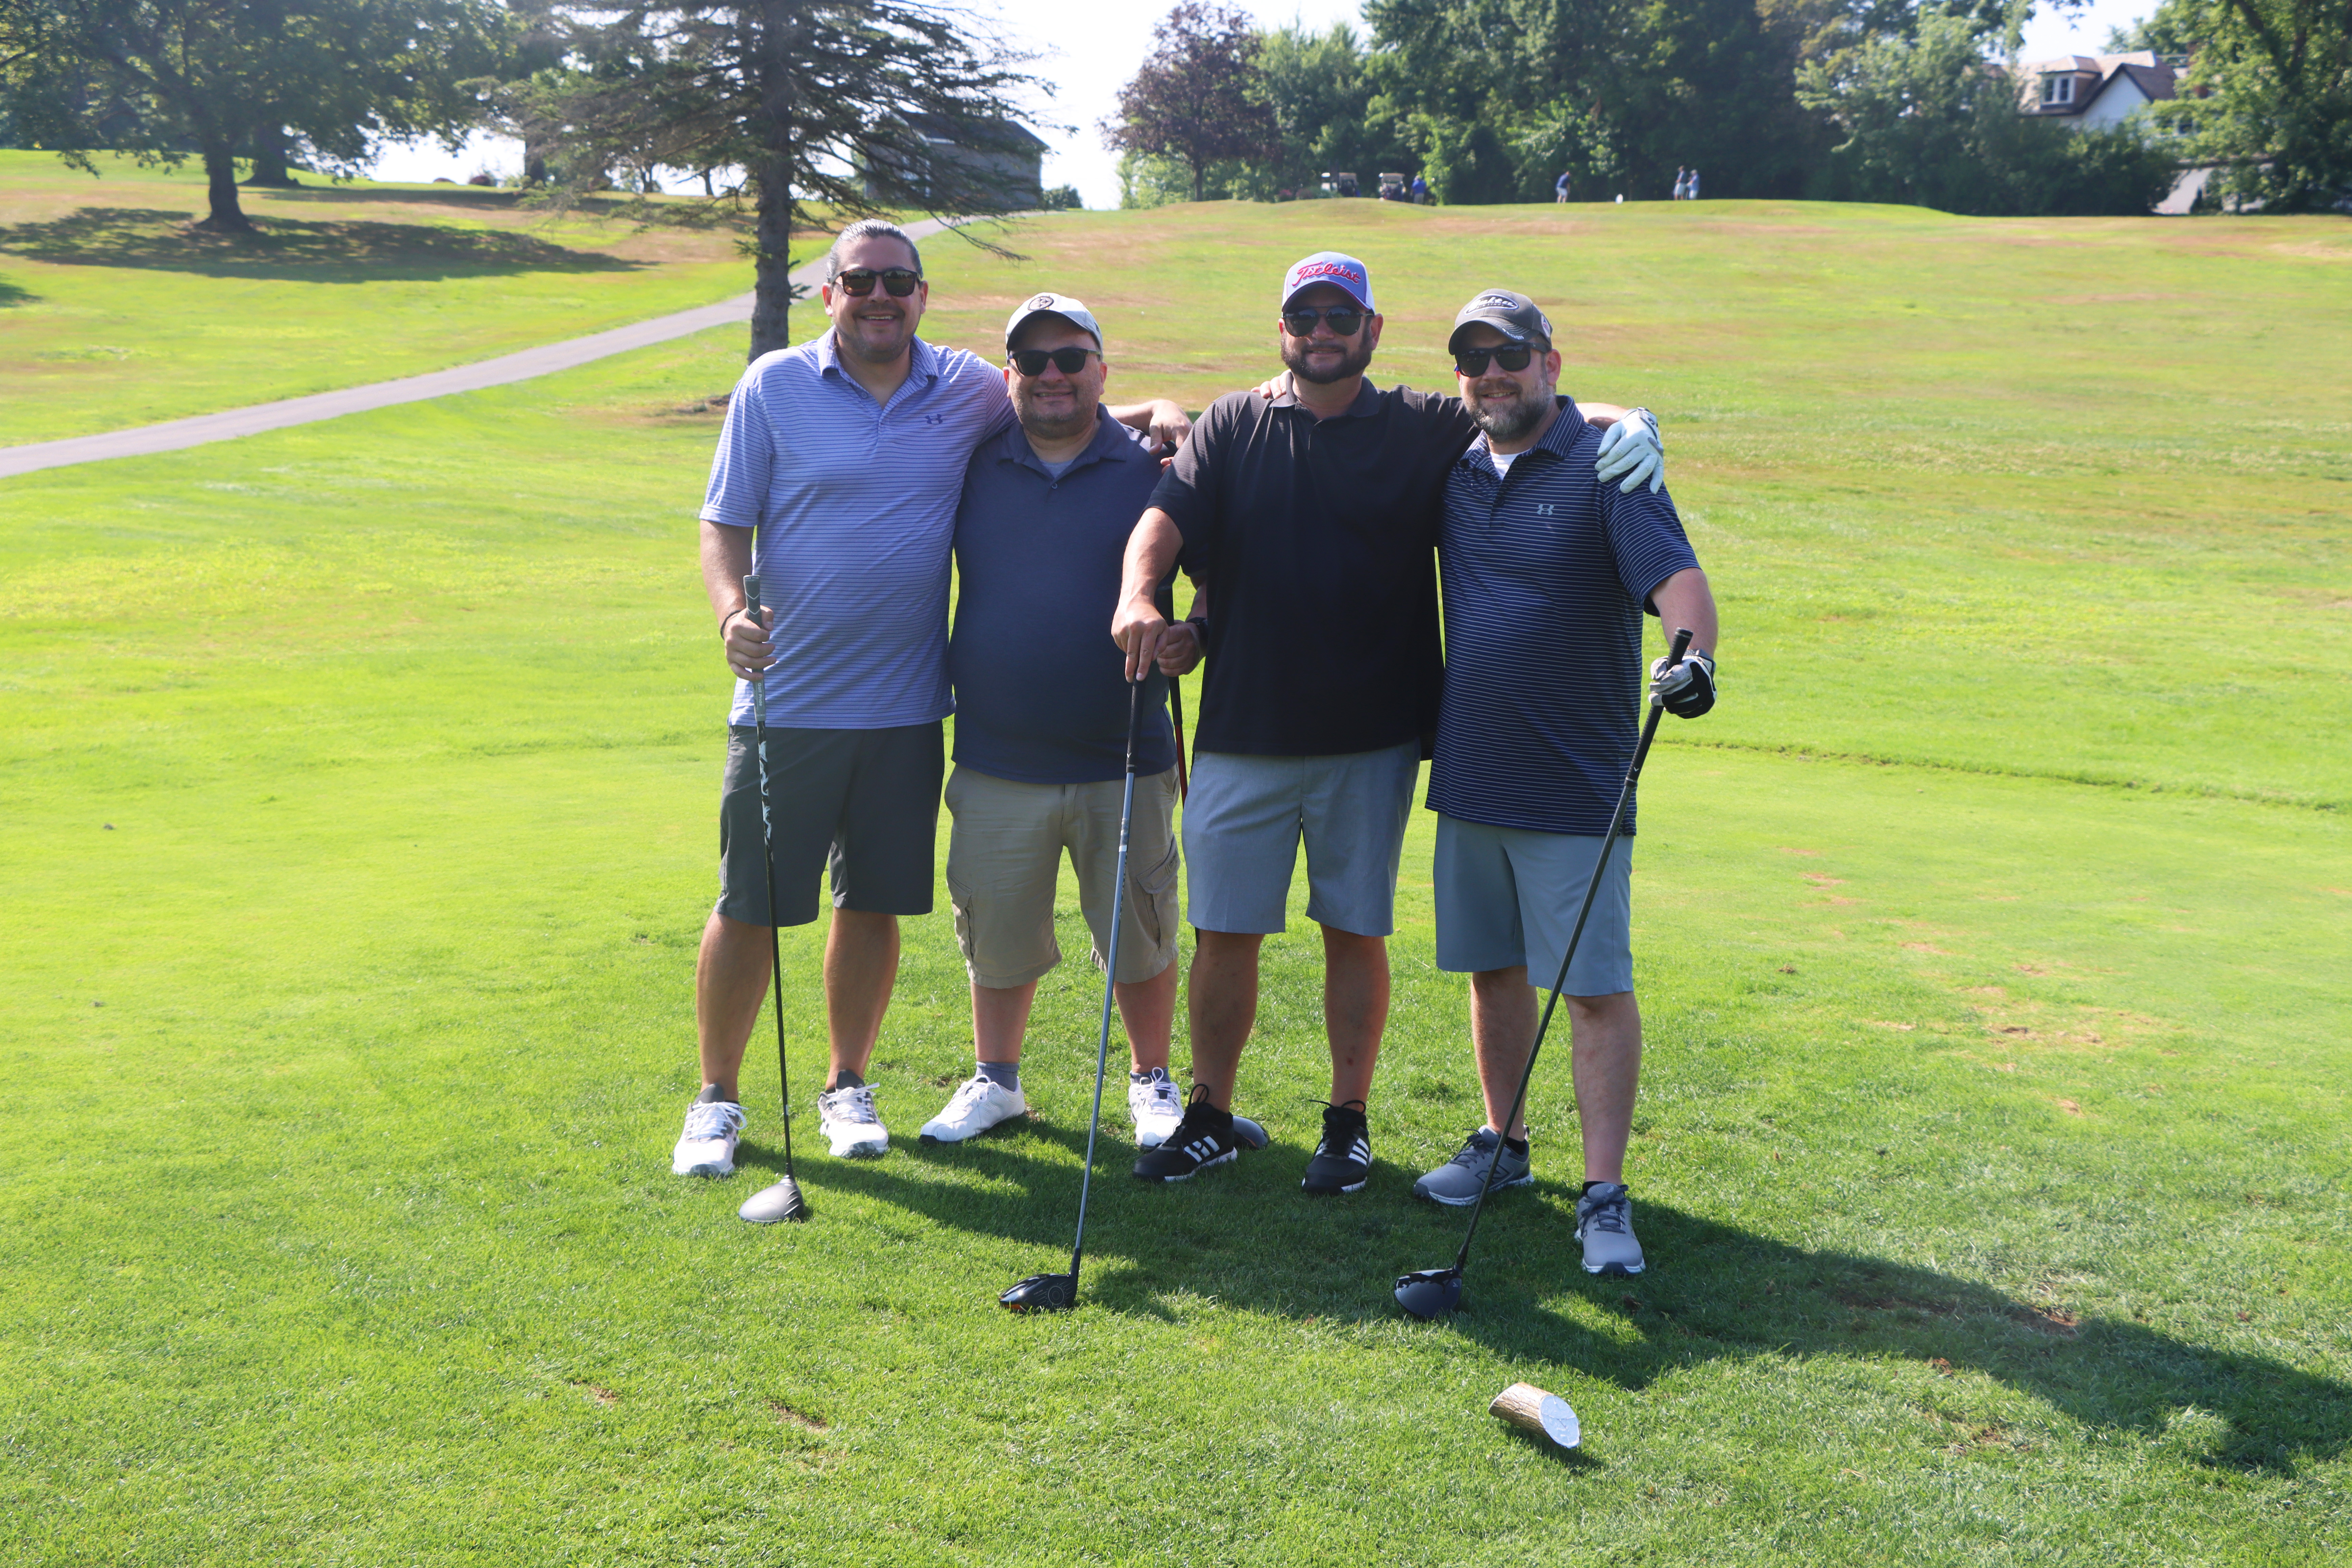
{"type": "Point", "coordinates": [1088, 63]}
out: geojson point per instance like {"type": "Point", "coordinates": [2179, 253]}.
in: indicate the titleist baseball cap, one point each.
{"type": "Point", "coordinates": [1062, 305]}
{"type": "Point", "coordinates": [1514, 316]}
{"type": "Point", "coordinates": [1329, 267]}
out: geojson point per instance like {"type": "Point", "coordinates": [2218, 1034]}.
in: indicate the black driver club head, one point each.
{"type": "Point", "coordinates": [1430, 1292]}
{"type": "Point", "coordinates": [769, 1205]}
{"type": "Point", "coordinates": [1042, 1293]}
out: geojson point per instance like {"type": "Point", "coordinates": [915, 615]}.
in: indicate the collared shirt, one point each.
{"type": "Point", "coordinates": [1315, 541]}
{"type": "Point", "coordinates": [855, 503]}
{"type": "Point", "coordinates": [1547, 574]}
{"type": "Point", "coordinates": [1040, 688]}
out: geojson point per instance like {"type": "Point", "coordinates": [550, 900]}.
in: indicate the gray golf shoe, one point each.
{"type": "Point", "coordinates": [1604, 1223]}
{"type": "Point", "coordinates": [1456, 1182]}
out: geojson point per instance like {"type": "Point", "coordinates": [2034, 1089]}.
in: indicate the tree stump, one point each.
{"type": "Point", "coordinates": [1524, 1406]}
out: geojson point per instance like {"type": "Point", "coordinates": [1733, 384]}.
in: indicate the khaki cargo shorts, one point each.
{"type": "Point", "coordinates": [1005, 861]}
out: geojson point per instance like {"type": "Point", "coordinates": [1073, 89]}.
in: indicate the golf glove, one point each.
{"type": "Point", "coordinates": [1630, 450]}
{"type": "Point", "coordinates": [1686, 690]}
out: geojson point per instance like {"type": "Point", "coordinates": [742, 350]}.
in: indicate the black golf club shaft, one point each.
{"type": "Point", "coordinates": [1110, 974]}
{"type": "Point", "coordinates": [1559, 982]}
{"type": "Point", "coordinates": [768, 867]}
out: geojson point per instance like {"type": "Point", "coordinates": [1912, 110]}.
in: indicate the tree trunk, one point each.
{"type": "Point", "coordinates": [220, 169]}
{"type": "Point", "coordinates": [534, 160]}
{"type": "Point", "coordinates": [1199, 170]}
{"type": "Point", "coordinates": [269, 158]}
{"type": "Point", "coordinates": [772, 310]}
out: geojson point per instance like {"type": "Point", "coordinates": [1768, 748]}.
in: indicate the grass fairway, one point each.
{"type": "Point", "coordinates": [114, 313]}
{"type": "Point", "coordinates": [1992, 937]}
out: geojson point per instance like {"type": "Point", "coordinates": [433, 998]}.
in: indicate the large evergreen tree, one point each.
{"type": "Point", "coordinates": [834, 110]}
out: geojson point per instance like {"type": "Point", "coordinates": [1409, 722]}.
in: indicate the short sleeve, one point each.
{"type": "Point", "coordinates": [746, 459]}
{"type": "Point", "coordinates": [1187, 491]}
{"type": "Point", "coordinates": [1646, 538]}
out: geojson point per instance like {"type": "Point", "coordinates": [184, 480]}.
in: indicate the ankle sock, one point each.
{"type": "Point", "coordinates": [1517, 1146]}
{"type": "Point", "coordinates": [1005, 1074]}
{"type": "Point", "coordinates": [1156, 1075]}
{"type": "Point", "coordinates": [713, 1095]}
{"type": "Point", "coordinates": [845, 1078]}
{"type": "Point", "coordinates": [1589, 1186]}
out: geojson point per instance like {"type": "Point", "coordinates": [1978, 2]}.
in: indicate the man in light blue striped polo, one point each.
{"type": "Point", "coordinates": [1547, 573]}
{"type": "Point", "coordinates": [835, 481]}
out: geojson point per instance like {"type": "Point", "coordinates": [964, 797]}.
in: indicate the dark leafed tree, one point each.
{"type": "Point", "coordinates": [832, 108]}
{"type": "Point", "coordinates": [329, 79]}
{"type": "Point", "coordinates": [1199, 97]}
{"type": "Point", "coordinates": [2270, 85]}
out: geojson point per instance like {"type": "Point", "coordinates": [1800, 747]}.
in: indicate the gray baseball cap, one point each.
{"type": "Point", "coordinates": [1062, 305]}
{"type": "Point", "coordinates": [1514, 316]}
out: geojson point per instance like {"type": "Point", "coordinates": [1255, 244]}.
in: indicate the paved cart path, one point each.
{"type": "Point", "coordinates": [145, 440]}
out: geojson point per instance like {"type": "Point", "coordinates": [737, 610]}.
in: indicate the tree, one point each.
{"type": "Point", "coordinates": [838, 109]}
{"type": "Point", "coordinates": [2272, 85]}
{"type": "Point", "coordinates": [1929, 120]}
{"type": "Point", "coordinates": [224, 77]}
{"type": "Point", "coordinates": [1199, 97]}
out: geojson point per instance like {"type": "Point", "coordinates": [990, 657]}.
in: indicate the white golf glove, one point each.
{"type": "Point", "coordinates": [1630, 450]}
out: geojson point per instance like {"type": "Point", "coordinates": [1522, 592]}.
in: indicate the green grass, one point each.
{"type": "Point", "coordinates": [1991, 1157]}
{"type": "Point", "coordinates": [113, 313]}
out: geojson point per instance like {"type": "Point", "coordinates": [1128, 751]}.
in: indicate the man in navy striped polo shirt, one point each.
{"type": "Point", "coordinates": [1547, 574]}
{"type": "Point", "coordinates": [843, 458]}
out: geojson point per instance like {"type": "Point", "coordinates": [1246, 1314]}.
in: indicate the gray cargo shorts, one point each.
{"type": "Point", "coordinates": [863, 805]}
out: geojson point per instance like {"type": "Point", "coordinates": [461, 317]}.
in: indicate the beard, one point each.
{"type": "Point", "coordinates": [1508, 419]}
{"type": "Point", "coordinates": [1053, 427]}
{"type": "Point", "coordinates": [1352, 362]}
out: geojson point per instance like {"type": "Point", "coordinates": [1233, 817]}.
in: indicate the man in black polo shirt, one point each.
{"type": "Point", "coordinates": [1311, 519]}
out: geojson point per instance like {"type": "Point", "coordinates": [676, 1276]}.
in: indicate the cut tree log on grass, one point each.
{"type": "Point", "coordinates": [1529, 1408]}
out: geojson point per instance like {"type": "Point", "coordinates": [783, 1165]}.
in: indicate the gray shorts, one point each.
{"type": "Point", "coordinates": [1246, 816]}
{"type": "Point", "coordinates": [1507, 896]}
{"type": "Point", "coordinates": [862, 804]}
{"type": "Point", "coordinates": [1004, 866]}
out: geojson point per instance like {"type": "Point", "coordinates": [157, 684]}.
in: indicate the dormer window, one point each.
{"type": "Point", "coordinates": [2057, 90]}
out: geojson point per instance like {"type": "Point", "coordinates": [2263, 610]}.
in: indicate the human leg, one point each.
{"type": "Point", "coordinates": [1221, 998]}
{"type": "Point", "coordinates": [1607, 1032]}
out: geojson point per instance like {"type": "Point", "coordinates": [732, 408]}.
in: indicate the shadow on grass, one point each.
{"type": "Point", "coordinates": [292, 248]}
{"type": "Point", "coordinates": [14, 294]}
{"type": "Point", "coordinates": [1247, 1237]}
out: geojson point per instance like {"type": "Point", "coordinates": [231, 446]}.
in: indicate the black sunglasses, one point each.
{"type": "Point", "coordinates": [900, 280]}
{"type": "Point", "coordinates": [1511, 356]}
{"type": "Point", "coordinates": [1069, 361]}
{"type": "Point", "coordinates": [1344, 320]}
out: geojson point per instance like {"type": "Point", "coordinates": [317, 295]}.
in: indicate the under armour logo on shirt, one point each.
{"type": "Point", "coordinates": [1544, 509]}
{"type": "Point", "coordinates": [935, 419]}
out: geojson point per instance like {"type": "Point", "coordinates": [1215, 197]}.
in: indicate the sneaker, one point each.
{"type": "Point", "coordinates": [707, 1147]}
{"type": "Point", "coordinates": [1459, 1180]}
{"type": "Point", "coordinates": [1203, 1138]}
{"type": "Point", "coordinates": [846, 1118]}
{"type": "Point", "coordinates": [1604, 1223]}
{"type": "Point", "coordinates": [1343, 1160]}
{"type": "Point", "coordinates": [978, 1104]}
{"type": "Point", "coordinates": [1155, 1107]}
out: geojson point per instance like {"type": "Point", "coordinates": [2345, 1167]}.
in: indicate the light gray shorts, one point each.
{"type": "Point", "coordinates": [1004, 864]}
{"type": "Point", "coordinates": [1246, 816]}
{"type": "Point", "coordinates": [1508, 896]}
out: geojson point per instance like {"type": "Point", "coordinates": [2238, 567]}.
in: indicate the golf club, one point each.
{"type": "Point", "coordinates": [783, 1201]}
{"type": "Point", "coordinates": [1430, 1292]}
{"type": "Point", "coordinates": [1176, 713]}
{"type": "Point", "coordinates": [1059, 1292]}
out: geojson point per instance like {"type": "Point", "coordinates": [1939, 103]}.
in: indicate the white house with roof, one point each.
{"type": "Point", "coordinates": [2093, 92]}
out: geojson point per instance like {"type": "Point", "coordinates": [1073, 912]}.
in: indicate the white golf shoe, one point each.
{"type": "Point", "coordinates": [707, 1147]}
{"type": "Point", "coordinates": [1155, 1107]}
{"type": "Point", "coordinates": [978, 1104]}
{"type": "Point", "coordinates": [846, 1118]}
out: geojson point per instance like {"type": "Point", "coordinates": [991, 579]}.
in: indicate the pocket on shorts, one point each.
{"type": "Point", "coordinates": [1152, 892]}
{"type": "Point", "coordinates": [961, 902]}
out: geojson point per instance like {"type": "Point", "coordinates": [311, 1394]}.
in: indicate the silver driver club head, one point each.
{"type": "Point", "coordinates": [769, 1205]}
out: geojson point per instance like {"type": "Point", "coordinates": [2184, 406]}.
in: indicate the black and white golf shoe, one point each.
{"type": "Point", "coordinates": [1343, 1160]}
{"type": "Point", "coordinates": [1205, 1137]}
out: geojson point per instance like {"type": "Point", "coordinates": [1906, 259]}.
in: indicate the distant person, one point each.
{"type": "Point", "coordinates": [1420, 191]}
{"type": "Point", "coordinates": [1311, 517]}
{"type": "Point", "coordinates": [847, 454]}
{"type": "Point", "coordinates": [1041, 725]}
{"type": "Point", "coordinates": [1682, 184]}
{"type": "Point", "coordinates": [1694, 186]}
{"type": "Point", "coordinates": [1560, 188]}
{"type": "Point", "coordinates": [1547, 572]}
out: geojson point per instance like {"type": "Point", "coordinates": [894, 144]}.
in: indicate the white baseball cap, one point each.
{"type": "Point", "coordinates": [1071, 311]}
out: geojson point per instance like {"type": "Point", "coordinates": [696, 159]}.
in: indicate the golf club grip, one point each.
{"type": "Point", "coordinates": [752, 596]}
{"type": "Point", "coordinates": [1682, 646]}
{"type": "Point", "coordinates": [1134, 717]}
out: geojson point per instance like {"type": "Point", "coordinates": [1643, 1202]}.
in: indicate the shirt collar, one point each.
{"type": "Point", "coordinates": [1559, 440]}
{"type": "Point", "coordinates": [1113, 443]}
{"type": "Point", "coordinates": [1368, 400]}
{"type": "Point", "coordinates": [922, 361]}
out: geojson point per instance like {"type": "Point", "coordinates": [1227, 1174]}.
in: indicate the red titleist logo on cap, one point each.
{"type": "Point", "coordinates": [1330, 269]}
